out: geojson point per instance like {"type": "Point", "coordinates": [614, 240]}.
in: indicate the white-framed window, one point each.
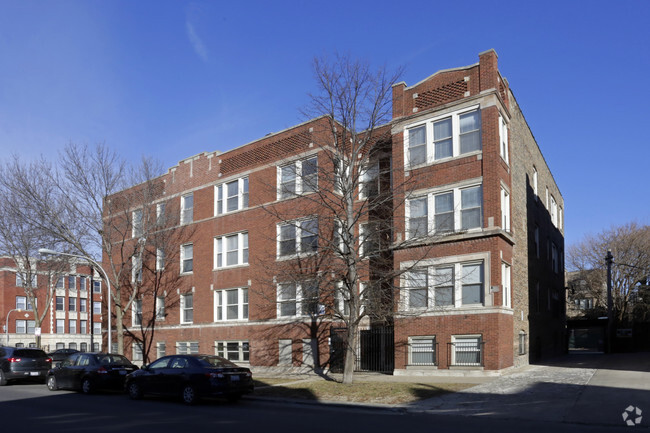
{"type": "Point", "coordinates": [546, 200]}
{"type": "Point", "coordinates": [60, 346]}
{"type": "Point", "coordinates": [297, 237]}
{"type": "Point", "coordinates": [82, 283]}
{"type": "Point", "coordinates": [187, 308]}
{"type": "Point", "coordinates": [22, 279]}
{"type": "Point", "coordinates": [443, 137]}
{"type": "Point", "coordinates": [187, 258]}
{"type": "Point", "coordinates": [467, 350]}
{"type": "Point", "coordinates": [160, 308]}
{"type": "Point", "coordinates": [60, 283]}
{"type": "Point", "coordinates": [459, 209]}
{"type": "Point", "coordinates": [137, 352]}
{"type": "Point", "coordinates": [59, 303]}
{"type": "Point", "coordinates": [72, 282]}
{"type": "Point", "coordinates": [559, 218]}
{"type": "Point", "coordinates": [25, 326]}
{"type": "Point", "coordinates": [422, 350]}
{"type": "Point", "coordinates": [231, 196]}
{"type": "Point", "coordinates": [298, 299]}
{"type": "Point", "coordinates": [97, 286]}
{"type": "Point", "coordinates": [137, 225]}
{"type": "Point", "coordinates": [97, 328]}
{"type": "Point", "coordinates": [160, 259]}
{"type": "Point", "coordinates": [187, 347]}
{"type": "Point", "coordinates": [369, 181]}
{"type": "Point", "coordinates": [83, 327]}
{"type": "Point", "coordinates": [503, 139]}
{"type": "Point", "coordinates": [187, 208]}
{"type": "Point", "coordinates": [535, 183]}
{"type": "Point", "coordinates": [60, 326]}
{"type": "Point", "coordinates": [83, 305]}
{"type": "Point", "coordinates": [231, 250]}
{"type": "Point", "coordinates": [285, 352]}
{"type": "Point", "coordinates": [161, 349]}
{"type": "Point", "coordinates": [340, 243]}
{"type": "Point", "coordinates": [136, 313]}
{"type": "Point", "coordinates": [83, 347]}
{"type": "Point", "coordinates": [231, 304]}
{"type": "Point", "coordinates": [22, 303]}
{"type": "Point", "coordinates": [298, 177]}
{"type": "Point", "coordinates": [446, 284]}
{"type": "Point", "coordinates": [236, 351]}
{"type": "Point", "coordinates": [72, 303]}
{"type": "Point", "coordinates": [505, 210]}
{"type": "Point", "coordinates": [72, 326]}
{"type": "Point", "coordinates": [97, 307]}
{"type": "Point", "coordinates": [341, 174]}
{"type": "Point", "coordinates": [161, 216]}
{"type": "Point", "coordinates": [506, 285]}
{"type": "Point", "coordinates": [136, 269]}
{"type": "Point", "coordinates": [553, 211]}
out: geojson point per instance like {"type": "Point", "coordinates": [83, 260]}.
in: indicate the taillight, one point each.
{"type": "Point", "coordinates": [48, 360]}
{"type": "Point", "coordinates": [13, 359]}
{"type": "Point", "coordinates": [102, 370]}
{"type": "Point", "coordinates": [249, 374]}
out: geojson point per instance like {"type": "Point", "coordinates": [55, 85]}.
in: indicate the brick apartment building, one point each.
{"type": "Point", "coordinates": [479, 233]}
{"type": "Point", "coordinates": [71, 318]}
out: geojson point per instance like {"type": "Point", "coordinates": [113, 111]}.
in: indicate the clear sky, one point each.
{"type": "Point", "coordinates": [176, 78]}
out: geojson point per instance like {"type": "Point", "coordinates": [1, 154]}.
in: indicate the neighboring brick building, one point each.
{"type": "Point", "coordinates": [472, 195]}
{"type": "Point", "coordinates": [68, 322]}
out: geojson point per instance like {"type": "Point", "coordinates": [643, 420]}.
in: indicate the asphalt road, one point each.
{"type": "Point", "coordinates": [31, 408]}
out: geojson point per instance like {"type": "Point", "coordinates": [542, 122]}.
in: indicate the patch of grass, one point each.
{"type": "Point", "coordinates": [362, 392]}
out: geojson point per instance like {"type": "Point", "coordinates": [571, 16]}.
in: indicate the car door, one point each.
{"type": "Point", "coordinates": [63, 373]}
{"type": "Point", "coordinates": [152, 379]}
{"type": "Point", "coordinates": [178, 374]}
{"type": "Point", "coordinates": [79, 369]}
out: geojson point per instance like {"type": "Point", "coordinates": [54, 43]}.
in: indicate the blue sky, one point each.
{"type": "Point", "coordinates": [176, 78]}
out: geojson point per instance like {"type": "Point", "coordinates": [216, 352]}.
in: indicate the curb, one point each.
{"type": "Point", "coordinates": [329, 403]}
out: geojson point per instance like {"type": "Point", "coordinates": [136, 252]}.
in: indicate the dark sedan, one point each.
{"type": "Point", "coordinates": [61, 355]}
{"type": "Point", "coordinates": [89, 372]}
{"type": "Point", "coordinates": [191, 377]}
{"type": "Point", "coordinates": [23, 363]}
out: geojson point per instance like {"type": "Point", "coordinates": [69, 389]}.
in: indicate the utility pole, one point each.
{"type": "Point", "coordinates": [610, 320]}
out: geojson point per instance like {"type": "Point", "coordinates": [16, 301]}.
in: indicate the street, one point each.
{"type": "Point", "coordinates": [31, 407]}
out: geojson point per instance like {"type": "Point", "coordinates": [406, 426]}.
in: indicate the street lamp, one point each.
{"type": "Point", "coordinates": [7, 323]}
{"type": "Point", "coordinates": [46, 251]}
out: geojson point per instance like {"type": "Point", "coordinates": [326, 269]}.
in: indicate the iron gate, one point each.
{"type": "Point", "coordinates": [375, 350]}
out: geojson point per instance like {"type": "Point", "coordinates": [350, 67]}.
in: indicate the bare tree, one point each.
{"type": "Point", "coordinates": [630, 246]}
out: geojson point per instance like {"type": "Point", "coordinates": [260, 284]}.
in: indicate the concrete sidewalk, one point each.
{"type": "Point", "coordinates": [583, 389]}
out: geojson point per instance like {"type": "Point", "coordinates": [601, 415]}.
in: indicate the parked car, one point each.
{"type": "Point", "coordinates": [23, 363]}
{"type": "Point", "coordinates": [61, 355]}
{"type": "Point", "coordinates": [191, 377]}
{"type": "Point", "coordinates": [89, 372]}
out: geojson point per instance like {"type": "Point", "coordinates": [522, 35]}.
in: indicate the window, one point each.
{"type": "Point", "coordinates": [83, 305]}
{"type": "Point", "coordinates": [505, 284]}
{"type": "Point", "coordinates": [160, 259]}
{"type": "Point", "coordinates": [522, 343]}
{"type": "Point", "coordinates": [137, 229]}
{"type": "Point", "coordinates": [97, 307]}
{"type": "Point", "coordinates": [72, 282]}
{"type": "Point", "coordinates": [584, 304]}
{"type": "Point", "coordinates": [137, 352]}
{"type": "Point", "coordinates": [21, 279]}
{"type": "Point", "coordinates": [83, 326]}
{"type": "Point", "coordinates": [187, 347]}
{"type": "Point", "coordinates": [187, 208]}
{"type": "Point", "coordinates": [422, 350]}
{"type": "Point", "coordinates": [60, 346]}
{"type": "Point", "coordinates": [74, 347]}
{"type": "Point", "coordinates": [231, 196]}
{"type": "Point", "coordinates": [22, 303]}
{"type": "Point", "coordinates": [60, 326]}
{"type": "Point", "coordinates": [553, 211]}
{"type": "Point", "coordinates": [72, 304]}
{"type": "Point", "coordinates": [161, 349]}
{"type": "Point", "coordinates": [231, 250]}
{"type": "Point", "coordinates": [298, 237]}
{"type": "Point", "coordinates": [233, 350]}
{"type": "Point", "coordinates": [187, 258]}
{"type": "Point", "coordinates": [443, 285]}
{"type": "Point", "coordinates": [60, 303]}
{"type": "Point", "coordinates": [97, 328]}
{"type": "Point", "coordinates": [459, 209]}
{"type": "Point", "coordinates": [160, 308]}
{"type": "Point", "coordinates": [25, 326]}
{"type": "Point", "coordinates": [505, 210]}
{"type": "Point", "coordinates": [443, 137]}
{"type": "Point", "coordinates": [536, 239]}
{"type": "Point", "coordinates": [555, 263]}
{"type": "Point", "coordinates": [535, 190]}
{"type": "Point", "coordinates": [467, 350]}
{"type": "Point", "coordinates": [231, 304]}
{"type": "Point", "coordinates": [72, 326]}
{"type": "Point", "coordinates": [160, 214]}
{"type": "Point", "coordinates": [136, 269]}
{"type": "Point", "coordinates": [285, 352]}
{"type": "Point", "coordinates": [559, 218]}
{"type": "Point", "coordinates": [369, 234]}
{"type": "Point", "coordinates": [369, 181]}
{"type": "Point", "coordinates": [547, 204]}
{"type": "Point", "coordinates": [83, 347]}
{"type": "Point", "coordinates": [82, 283]}
{"type": "Point", "coordinates": [136, 314]}
{"type": "Point", "coordinates": [299, 177]}
{"type": "Point", "coordinates": [503, 138]}
{"type": "Point", "coordinates": [97, 286]}
{"type": "Point", "coordinates": [295, 299]}
{"type": "Point", "coordinates": [187, 308]}
{"type": "Point", "coordinates": [60, 283]}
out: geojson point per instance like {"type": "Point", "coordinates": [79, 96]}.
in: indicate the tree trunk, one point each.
{"type": "Point", "coordinates": [350, 349]}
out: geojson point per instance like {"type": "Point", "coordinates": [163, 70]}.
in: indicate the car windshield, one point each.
{"type": "Point", "coordinates": [113, 360]}
{"type": "Point", "coordinates": [215, 361]}
{"type": "Point", "coordinates": [30, 354]}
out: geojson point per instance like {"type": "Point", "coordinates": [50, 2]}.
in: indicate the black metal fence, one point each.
{"type": "Point", "coordinates": [375, 350]}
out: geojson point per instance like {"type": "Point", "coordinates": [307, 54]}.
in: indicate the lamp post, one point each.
{"type": "Point", "coordinates": [610, 319]}
{"type": "Point", "coordinates": [7, 323]}
{"type": "Point", "coordinates": [46, 251]}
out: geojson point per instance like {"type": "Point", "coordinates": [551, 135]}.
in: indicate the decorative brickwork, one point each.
{"type": "Point", "coordinates": [441, 95]}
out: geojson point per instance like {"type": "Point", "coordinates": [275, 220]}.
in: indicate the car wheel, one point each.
{"type": "Point", "coordinates": [189, 395]}
{"type": "Point", "coordinates": [86, 386]}
{"type": "Point", "coordinates": [3, 379]}
{"type": "Point", "coordinates": [135, 392]}
{"type": "Point", "coordinates": [51, 383]}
